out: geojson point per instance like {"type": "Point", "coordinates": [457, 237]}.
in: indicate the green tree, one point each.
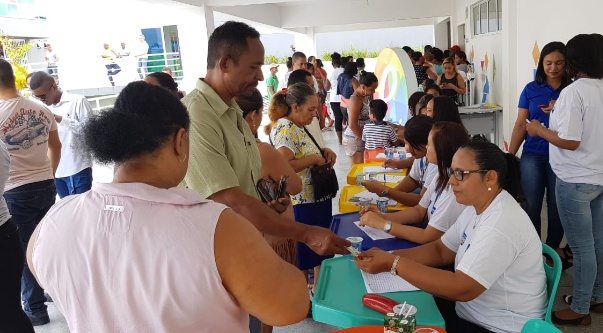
{"type": "Point", "coordinates": [16, 53]}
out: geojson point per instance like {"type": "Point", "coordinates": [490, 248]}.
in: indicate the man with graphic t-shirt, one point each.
{"type": "Point", "coordinates": [29, 131]}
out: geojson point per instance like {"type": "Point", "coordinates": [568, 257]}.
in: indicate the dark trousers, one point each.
{"type": "Point", "coordinates": [12, 257]}
{"type": "Point", "coordinates": [455, 324]}
{"type": "Point", "coordinates": [28, 204]}
{"type": "Point", "coordinates": [336, 107]}
{"type": "Point", "coordinates": [79, 183]}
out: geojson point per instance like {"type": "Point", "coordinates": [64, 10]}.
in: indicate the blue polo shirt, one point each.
{"type": "Point", "coordinates": [535, 94]}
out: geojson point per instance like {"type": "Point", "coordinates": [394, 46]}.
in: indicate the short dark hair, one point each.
{"type": "Point", "coordinates": [298, 76]}
{"type": "Point", "coordinates": [368, 78]}
{"type": "Point", "coordinates": [583, 54]}
{"type": "Point", "coordinates": [462, 55]}
{"type": "Point", "coordinates": [546, 50]}
{"type": "Point", "coordinates": [166, 81]}
{"type": "Point", "coordinates": [297, 55]}
{"type": "Point", "coordinates": [7, 76]}
{"type": "Point", "coordinates": [309, 66]}
{"type": "Point", "coordinates": [282, 101]}
{"type": "Point", "coordinates": [229, 40]}
{"type": "Point", "coordinates": [445, 109]}
{"type": "Point", "coordinates": [39, 79]}
{"type": "Point", "coordinates": [143, 118]}
{"type": "Point", "coordinates": [434, 87]}
{"type": "Point", "coordinates": [351, 68]}
{"type": "Point", "coordinates": [336, 59]}
{"type": "Point", "coordinates": [416, 56]}
{"type": "Point", "coordinates": [422, 103]}
{"type": "Point", "coordinates": [437, 54]}
{"type": "Point", "coordinates": [416, 131]}
{"type": "Point", "coordinates": [488, 156]}
{"type": "Point", "coordinates": [447, 138]}
{"type": "Point", "coordinates": [407, 49]}
{"type": "Point", "coordinates": [413, 100]}
{"type": "Point", "coordinates": [378, 108]}
{"type": "Point", "coordinates": [344, 61]}
{"type": "Point", "coordinates": [254, 102]}
{"type": "Point", "coordinates": [289, 63]}
{"type": "Point", "coordinates": [360, 62]}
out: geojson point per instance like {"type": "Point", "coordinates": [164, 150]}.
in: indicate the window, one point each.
{"type": "Point", "coordinates": [24, 9]}
{"type": "Point", "coordinates": [486, 16]}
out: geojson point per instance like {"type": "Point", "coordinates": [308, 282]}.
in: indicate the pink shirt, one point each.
{"type": "Point", "coordinates": [129, 257]}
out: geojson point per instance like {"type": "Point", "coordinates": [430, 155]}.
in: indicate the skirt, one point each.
{"type": "Point", "coordinates": [316, 214]}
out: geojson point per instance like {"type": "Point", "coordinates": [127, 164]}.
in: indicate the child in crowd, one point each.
{"type": "Point", "coordinates": [378, 133]}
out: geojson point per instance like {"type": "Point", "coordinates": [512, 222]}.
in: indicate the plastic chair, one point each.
{"type": "Point", "coordinates": [539, 326]}
{"type": "Point", "coordinates": [553, 275]}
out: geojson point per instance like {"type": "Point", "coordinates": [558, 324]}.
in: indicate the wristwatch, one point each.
{"type": "Point", "coordinates": [394, 269]}
{"type": "Point", "coordinates": [385, 193]}
{"type": "Point", "coordinates": [387, 227]}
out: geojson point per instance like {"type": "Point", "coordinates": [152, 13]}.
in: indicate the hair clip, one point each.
{"type": "Point", "coordinates": [284, 91]}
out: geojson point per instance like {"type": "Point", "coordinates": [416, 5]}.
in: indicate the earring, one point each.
{"type": "Point", "coordinates": [489, 188]}
{"type": "Point", "coordinates": [182, 160]}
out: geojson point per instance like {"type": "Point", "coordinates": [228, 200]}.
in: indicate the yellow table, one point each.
{"type": "Point", "coordinates": [358, 168]}
{"type": "Point", "coordinates": [349, 191]}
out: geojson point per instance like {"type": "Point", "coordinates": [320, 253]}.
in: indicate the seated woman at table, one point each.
{"type": "Point", "coordinates": [422, 172]}
{"type": "Point", "coordinates": [147, 256]}
{"type": "Point", "coordinates": [499, 281]}
{"type": "Point", "coordinates": [438, 204]}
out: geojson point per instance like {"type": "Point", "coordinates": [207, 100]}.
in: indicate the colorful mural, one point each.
{"type": "Point", "coordinates": [397, 81]}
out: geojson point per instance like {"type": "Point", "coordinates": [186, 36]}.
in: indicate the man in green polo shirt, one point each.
{"type": "Point", "coordinates": [272, 81]}
{"type": "Point", "coordinates": [225, 163]}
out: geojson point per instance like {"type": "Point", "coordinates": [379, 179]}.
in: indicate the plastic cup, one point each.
{"type": "Point", "coordinates": [360, 177]}
{"type": "Point", "coordinates": [356, 243]}
{"type": "Point", "coordinates": [382, 203]}
{"type": "Point", "coordinates": [364, 202]}
{"type": "Point", "coordinates": [389, 153]}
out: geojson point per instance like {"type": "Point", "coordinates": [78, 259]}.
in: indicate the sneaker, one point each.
{"type": "Point", "coordinates": [39, 320]}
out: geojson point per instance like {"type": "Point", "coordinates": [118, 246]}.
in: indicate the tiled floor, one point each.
{"type": "Point", "coordinates": [104, 174]}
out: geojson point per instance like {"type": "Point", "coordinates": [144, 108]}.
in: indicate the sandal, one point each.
{"type": "Point", "coordinates": [584, 320]}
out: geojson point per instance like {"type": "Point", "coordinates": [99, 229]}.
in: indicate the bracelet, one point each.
{"type": "Point", "coordinates": [394, 270]}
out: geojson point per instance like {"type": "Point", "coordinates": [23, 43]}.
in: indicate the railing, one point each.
{"type": "Point", "coordinates": [97, 105]}
{"type": "Point", "coordinates": [155, 63]}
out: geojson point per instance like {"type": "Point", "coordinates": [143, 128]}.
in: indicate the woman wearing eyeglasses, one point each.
{"type": "Point", "coordinates": [499, 281]}
{"type": "Point", "coordinates": [437, 204]}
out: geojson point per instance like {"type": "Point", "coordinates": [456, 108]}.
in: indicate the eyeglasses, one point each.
{"type": "Point", "coordinates": [43, 97]}
{"type": "Point", "coordinates": [460, 174]}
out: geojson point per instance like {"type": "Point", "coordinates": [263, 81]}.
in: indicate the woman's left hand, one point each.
{"type": "Point", "coordinates": [533, 128]}
{"type": "Point", "coordinates": [375, 261]}
{"type": "Point", "coordinates": [373, 220]}
{"type": "Point", "coordinates": [280, 205]}
{"type": "Point", "coordinates": [330, 156]}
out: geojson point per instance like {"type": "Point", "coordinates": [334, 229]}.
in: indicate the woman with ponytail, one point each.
{"type": "Point", "coordinates": [290, 111]}
{"type": "Point", "coordinates": [498, 283]}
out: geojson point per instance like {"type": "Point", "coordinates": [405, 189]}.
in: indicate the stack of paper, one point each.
{"type": "Point", "coordinates": [374, 234]}
{"type": "Point", "coordinates": [385, 283]}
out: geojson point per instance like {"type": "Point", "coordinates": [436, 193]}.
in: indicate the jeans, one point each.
{"type": "Point", "coordinates": [142, 67]}
{"type": "Point", "coordinates": [536, 176]}
{"type": "Point", "coordinates": [581, 212]}
{"type": "Point", "coordinates": [28, 204]}
{"type": "Point", "coordinates": [12, 256]}
{"type": "Point", "coordinates": [79, 183]}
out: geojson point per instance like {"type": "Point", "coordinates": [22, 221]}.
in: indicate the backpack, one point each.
{"type": "Point", "coordinates": [344, 85]}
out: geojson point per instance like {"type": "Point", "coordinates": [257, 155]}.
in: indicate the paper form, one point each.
{"type": "Point", "coordinates": [374, 234]}
{"type": "Point", "coordinates": [385, 283]}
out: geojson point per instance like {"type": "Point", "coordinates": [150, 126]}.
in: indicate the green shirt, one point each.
{"type": "Point", "coordinates": [223, 152]}
{"type": "Point", "coordinates": [271, 81]}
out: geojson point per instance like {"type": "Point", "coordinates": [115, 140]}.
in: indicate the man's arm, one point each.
{"type": "Point", "coordinates": [320, 240]}
{"type": "Point", "coordinates": [83, 111]}
{"type": "Point", "coordinates": [54, 150]}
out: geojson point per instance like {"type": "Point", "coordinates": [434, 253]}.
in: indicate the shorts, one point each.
{"type": "Point", "coordinates": [352, 145]}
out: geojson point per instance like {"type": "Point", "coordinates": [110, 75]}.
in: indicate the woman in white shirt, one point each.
{"type": "Point", "coordinates": [576, 157]}
{"type": "Point", "coordinates": [499, 281]}
{"type": "Point", "coordinates": [438, 204]}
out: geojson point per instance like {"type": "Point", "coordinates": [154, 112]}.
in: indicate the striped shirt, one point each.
{"type": "Point", "coordinates": [378, 134]}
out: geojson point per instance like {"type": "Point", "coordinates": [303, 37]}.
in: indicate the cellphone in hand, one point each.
{"type": "Point", "coordinates": [282, 187]}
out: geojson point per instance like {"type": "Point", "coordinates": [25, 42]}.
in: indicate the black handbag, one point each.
{"type": "Point", "coordinates": [323, 178]}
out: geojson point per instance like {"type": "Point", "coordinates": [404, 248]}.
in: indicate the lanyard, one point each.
{"type": "Point", "coordinates": [422, 168]}
{"type": "Point", "coordinates": [433, 208]}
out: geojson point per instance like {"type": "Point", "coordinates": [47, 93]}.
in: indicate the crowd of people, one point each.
{"type": "Point", "coordinates": [172, 244]}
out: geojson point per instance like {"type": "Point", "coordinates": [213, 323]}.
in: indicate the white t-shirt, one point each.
{"type": "Point", "coordinates": [51, 57]}
{"type": "Point", "coordinates": [333, 97]}
{"type": "Point", "coordinates": [4, 174]}
{"type": "Point", "coordinates": [442, 208]}
{"type": "Point", "coordinates": [577, 116]}
{"type": "Point", "coordinates": [283, 84]}
{"type": "Point", "coordinates": [501, 250]}
{"type": "Point", "coordinates": [24, 127]}
{"type": "Point", "coordinates": [75, 110]}
{"type": "Point", "coordinates": [423, 172]}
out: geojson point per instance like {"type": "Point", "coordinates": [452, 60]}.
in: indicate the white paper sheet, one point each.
{"type": "Point", "coordinates": [374, 234]}
{"type": "Point", "coordinates": [373, 197]}
{"type": "Point", "coordinates": [379, 169]}
{"type": "Point", "coordinates": [385, 283]}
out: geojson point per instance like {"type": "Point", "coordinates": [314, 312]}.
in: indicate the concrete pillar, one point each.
{"type": "Point", "coordinates": [195, 25]}
{"type": "Point", "coordinates": [305, 42]}
{"type": "Point", "coordinates": [509, 67]}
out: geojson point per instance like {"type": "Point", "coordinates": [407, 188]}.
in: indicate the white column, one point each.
{"type": "Point", "coordinates": [305, 42]}
{"type": "Point", "coordinates": [195, 25]}
{"type": "Point", "coordinates": [509, 67]}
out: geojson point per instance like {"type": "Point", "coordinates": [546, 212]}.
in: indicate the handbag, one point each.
{"type": "Point", "coordinates": [323, 177]}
